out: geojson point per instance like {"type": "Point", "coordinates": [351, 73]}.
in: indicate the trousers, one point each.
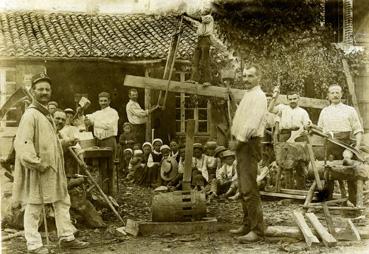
{"type": "Point", "coordinates": [33, 217]}
{"type": "Point", "coordinates": [248, 155]}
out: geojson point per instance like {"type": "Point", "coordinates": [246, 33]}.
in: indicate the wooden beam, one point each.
{"type": "Point", "coordinates": [148, 106]}
{"type": "Point", "coordinates": [351, 87]}
{"type": "Point", "coordinates": [309, 146]}
{"type": "Point", "coordinates": [282, 195]}
{"type": "Point", "coordinates": [310, 238]}
{"type": "Point", "coordinates": [327, 238]}
{"type": "Point", "coordinates": [190, 132]}
{"type": "Point", "coordinates": [144, 228]}
{"type": "Point", "coordinates": [328, 219]}
{"type": "Point", "coordinates": [211, 91]}
{"type": "Point", "coordinates": [343, 208]}
{"type": "Point", "coordinates": [350, 233]}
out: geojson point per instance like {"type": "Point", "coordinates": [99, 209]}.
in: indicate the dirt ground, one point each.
{"type": "Point", "coordinates": [135, 203]}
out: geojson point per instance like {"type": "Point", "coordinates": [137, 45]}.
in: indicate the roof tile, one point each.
{"type": "Point", "coordinates": [132, 37]}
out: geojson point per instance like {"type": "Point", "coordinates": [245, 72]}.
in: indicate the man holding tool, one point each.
{"type": "Point", "coordinates": [39, 176]}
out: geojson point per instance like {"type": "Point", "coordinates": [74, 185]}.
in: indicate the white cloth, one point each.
{"type": "Point", "coordinates": [291, 118]}
{"type": "Point", "coordinates": [105, 123]}
{"type": "Point", "coordinates": [150, 160]}
{"type": "Point", "coordinates": [32, 218]}
{"type": "Point", "coordinates": [249, 119]}
{"type": "Point", "coordinates": [339, 118]}
{"type": "Point", "coordinates": [135, 114]}
{"type": "Point", "coordinates": [227, 172]}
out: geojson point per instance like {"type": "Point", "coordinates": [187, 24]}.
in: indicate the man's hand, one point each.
{"type": "Point", "coordinates": [43, 167]}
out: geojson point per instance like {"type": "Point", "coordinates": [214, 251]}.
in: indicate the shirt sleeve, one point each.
{"type": "Point", "coordinates": [305, 118]}
{"type": "Point", "coordinates": [219, 172]}
{"type": "Point", "coordinates": [136, 110]}
{"type": "Point", "coordinates": [110, 121]}
{"type": "Point", "coordinates": [321, 119]}
{"type": "Point", "coordinates": [355, 122]}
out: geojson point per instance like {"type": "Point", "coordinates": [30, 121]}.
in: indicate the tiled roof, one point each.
{"type": "Point", "coordinates": [128, 37]}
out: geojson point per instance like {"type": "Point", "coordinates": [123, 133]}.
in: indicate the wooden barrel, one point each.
{"type": "Point", "coordinates": [362, 94]}
{"type": "Point", "coordinates": [178, 206]}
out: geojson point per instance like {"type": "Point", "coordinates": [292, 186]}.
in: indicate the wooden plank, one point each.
{"type": "Point", "coordinates": [343, 208]}
{"type": "Point", "coordinates": [329, 220]}
{"type": "Point", "coordinates": [212, 91]}
{"type": "Point", "coordinates": [294, 232]}
{"type": "Point", "coordinates": [327, 238]}
{"type": "Point", "coordinates": [310, 194]}
{"type": "Point", "coordinates": [351, 87]}
{"type": "Point", "coordinates": [310, 238]}
{"type": "Point", "coordinates": [190, 132]}
{"type": "Point", "coordinates": [281, 195]}
{"type": "Point", "coordinates": [144, 228]}
{"type": "Point", "coordinates": [350, 233]}
{"type": "Point", "coordinates": [359, 193]}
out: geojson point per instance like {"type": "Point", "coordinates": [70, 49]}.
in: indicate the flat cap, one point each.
{"type": "Point", "coordinates": [69, 110]}
{"type": "Point", "coordinates": [197, 145]}
{"type": "Point", "coordinates": [53, 103]}
{"type": "Point", "coordinates": [104, 94]}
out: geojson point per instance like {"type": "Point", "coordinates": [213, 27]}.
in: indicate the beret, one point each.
{"type": "Point", "coordinates": [128, 150]}
{"type": "Point", "coordinates": [137, 152]}
{"type": "Point", "coordinates": [146, 144]}
{"type": "Point", "coordinates": [157, 140]}
{"type": "Point", "coordinates": [40, 77]}
{"type": "Point", "coordinates": [164, 147]}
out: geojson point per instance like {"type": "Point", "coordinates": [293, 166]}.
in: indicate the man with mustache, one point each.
{"type": "Point", "coordinates": [290, 118]}
{"type": "Point", "coordinates": [343, 123]}
{"type": "Point", "coordinates": [39, 176]}
{"type": "Point", "coordinates": [248, 128]}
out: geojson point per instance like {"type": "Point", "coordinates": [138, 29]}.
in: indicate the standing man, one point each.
{"type": "Point", "coordinates": [290, 118]}
{"type": "Point", "coordinates": [39, 176]}
{"type": "Point", "coordinates": [105, 123]}
{"type": "Point", "coordinates": [137, 116]}
{"type": "Point", "coordinates": [342, 121]}
{"type": "Point", "coordinates": [248, 129]}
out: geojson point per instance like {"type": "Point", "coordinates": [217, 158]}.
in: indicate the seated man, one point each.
{"type": "Point", "coordinates": [290, 118]}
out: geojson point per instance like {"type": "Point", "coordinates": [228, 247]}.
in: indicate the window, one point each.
{"type": "Point", "coordinates": [186, 108]}
{"type": "Point", "coordinates": [7, 88]}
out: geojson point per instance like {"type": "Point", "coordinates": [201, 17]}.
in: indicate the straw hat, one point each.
{"type": "Point", "coordinates": [169, 169]}
{"type": "Point", "coordinates": [228, 153]}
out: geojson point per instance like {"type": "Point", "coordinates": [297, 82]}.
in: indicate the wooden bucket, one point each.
{"type": "Point", "coordinates": [178, 206]}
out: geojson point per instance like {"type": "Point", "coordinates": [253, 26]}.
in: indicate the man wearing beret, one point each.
{"type": "Point", "coordinates": [39, 176]}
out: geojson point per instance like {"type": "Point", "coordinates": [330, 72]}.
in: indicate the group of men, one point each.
{"type": "Point", "coordinates": [341, 120]}
{"type": "Point", "coordinates": [40, 177]}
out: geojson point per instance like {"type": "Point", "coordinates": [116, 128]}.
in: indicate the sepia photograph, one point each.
{"type": "Point", "coordinates": [184, 126]}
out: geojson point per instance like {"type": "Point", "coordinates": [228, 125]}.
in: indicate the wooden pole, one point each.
{"type": "Point", "coordinates": [190, 132]}
{"type": "Point", "coordinates": [313, 164]}
{"type": "Point", "coordinates": [310, 238]}
{"type": "Point", "coordinates": [327, 238]}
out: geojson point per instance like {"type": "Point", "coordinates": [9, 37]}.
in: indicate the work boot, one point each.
{"type": "Point", "coordinates": [74, 244]}
{"type": "Point", "coordinates": [41, 250]}
{"type": "Point", "coordinates": [249, 238]}
{"type": "Point", "coordinates": [239, 231]}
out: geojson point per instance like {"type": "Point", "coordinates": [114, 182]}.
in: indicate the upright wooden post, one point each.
{"type": "Point", "coordinates": [147, 106]}
{"type": "Point", "coordinates": [190, 132]}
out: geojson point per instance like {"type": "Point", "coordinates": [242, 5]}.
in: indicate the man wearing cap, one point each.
{"type": "Point", "coordinates": [342, 122]}
{"type": "Point", "coordinates": [248, 129]}
{"type": "Point", "coordinates": [136, 115]}
{"type": "Point", "coordinates": [39, 176]}
{"type": "Point", "coordinates": [105, 123]}
{"type": "Point", "coordinates": [70, 114]}
{"type": "Point", "coordinates": [52, 106]}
